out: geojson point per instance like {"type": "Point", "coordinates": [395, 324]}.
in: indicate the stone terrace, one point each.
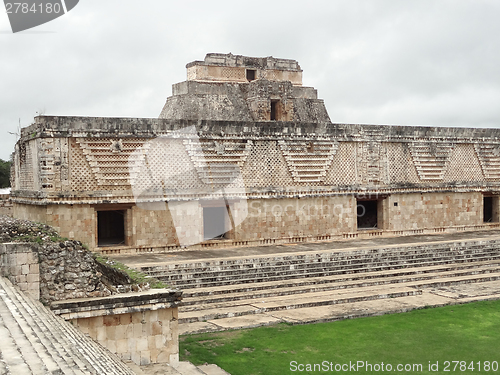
{"type": "Point", "coordinates": [325, 281]}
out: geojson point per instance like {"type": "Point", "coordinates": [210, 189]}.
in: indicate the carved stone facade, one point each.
{"type": "Point", "coordinates": [216, 159]}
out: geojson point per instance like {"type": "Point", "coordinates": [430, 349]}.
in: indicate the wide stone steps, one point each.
{"type": "Point", "coordinates": [220, 310]}
{"type": "Point", "coordinates": [318, 283]}
{"type": "Point", "coordinates": [254, 304]}
{"type": "Point", "coordinates": [473, 267]}
{"type": "Point", "coordinates": [18, 355]}
{"type": "Point", "coordinates": [315, 284]}
{"type": "Point", "coordinates": [43, 343]}
{"type": "Point", "coordinates": [216, 275]}
{"type": "Point", "coordinates": [398, 255]}
{"type": "Point", "coordinates": [197, 303]}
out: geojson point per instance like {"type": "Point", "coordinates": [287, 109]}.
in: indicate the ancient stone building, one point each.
{"type": "Point", "coordinates": [244, 154]}
{"type": "Point", "coordinates": [240, 88]}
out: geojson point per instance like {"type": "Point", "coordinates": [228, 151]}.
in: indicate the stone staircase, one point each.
{"type": "Point", "coordinates": [183, 368]}
{"type": "Point", "coordinates": [35, 341]}
{"type": "Point", "coordinates": [244, 286]}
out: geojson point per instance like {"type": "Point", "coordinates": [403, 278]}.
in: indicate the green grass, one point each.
{"type": "Point", "coordinates": [467, 333]}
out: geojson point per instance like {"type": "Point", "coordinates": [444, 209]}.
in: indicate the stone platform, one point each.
{"type": "Point", "coordinates": [326, 281]}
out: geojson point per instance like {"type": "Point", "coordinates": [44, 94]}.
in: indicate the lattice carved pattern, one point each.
{"type": "Point", "coordinates": [401, 167]}
{"type": "Point", "coordinates": [463, 165]}
{"type": "Point", "coordinates": [162, 166]}
{"type": "Point", "coordinates": [218, 162]}
{"type": "Point", "coordinates": [489, 159]}
{"type": "Point", "coordinates": [81, 176]}
{"type": "Point", "coordinates": [233, 73]}
{"type": "Point", "coordinates": [266, 166]}
{"type": "Point", "coordinates": [109, 159]}
{"type": "Point", "coordinates": [343, 168]}
{"type": "Point", "coordinates": [308, 161]}
{"type": "Point", "coordinates": [431, 159]}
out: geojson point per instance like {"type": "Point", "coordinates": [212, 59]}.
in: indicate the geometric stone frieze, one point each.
{"type": "Point", "coordinates": [218, 161]}
{"type": "Point", "coordinates": [431, 159]}
{"type": "Point", "coordinates": [109, 159]}
{"type": "Point", "coordinates": [308, 161]}
{"type": "Point", "coordinates": [489, 159]}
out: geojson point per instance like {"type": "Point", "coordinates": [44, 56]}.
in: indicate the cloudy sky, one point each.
{"type": "Point", "coordinates": [412, 62]}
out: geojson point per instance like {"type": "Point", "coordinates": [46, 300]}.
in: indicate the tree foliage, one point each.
{"type": "Point", "coordinates": [4, 173]}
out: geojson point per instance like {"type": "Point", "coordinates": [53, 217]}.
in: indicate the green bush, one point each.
{"type": "Point", "coordinates": [4, 174]}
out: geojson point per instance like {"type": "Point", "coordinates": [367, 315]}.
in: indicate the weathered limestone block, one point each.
{"type": "Point", "coordinates": [142, 327]}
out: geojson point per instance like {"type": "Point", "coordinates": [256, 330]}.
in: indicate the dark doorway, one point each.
{"type": "Point", "coordinates": [488, 209]}
{"type": "Point", "coordinates": [110, 228]}
{"type": "Point", "coordinates": [214, 222]}
{"type": "Point", "coordinates": [274, 108]}
{"type": "Point", "coordinates": [250, 74]}
{"type": "Point", "coordinates": [367, 214]}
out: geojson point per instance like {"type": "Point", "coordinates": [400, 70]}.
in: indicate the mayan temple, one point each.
{"type": "Point", "coordinates": [243, 154]}
{"type": "Point", "coordinates": [251, 207]}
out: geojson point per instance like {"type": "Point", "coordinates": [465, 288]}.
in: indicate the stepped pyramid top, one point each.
{"type": "Point", "coordinates": [240, 69]}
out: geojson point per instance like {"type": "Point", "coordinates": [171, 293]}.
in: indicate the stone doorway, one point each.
{"type": "Point", "coordinates": [490, 209]}
{"type": "Point", "coordinates": [111, 228]}
{"type": "Point", "coordinates": [367, 214]}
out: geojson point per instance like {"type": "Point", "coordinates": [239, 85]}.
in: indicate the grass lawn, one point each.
{"type": "Point", "coordinates": [468, 333]}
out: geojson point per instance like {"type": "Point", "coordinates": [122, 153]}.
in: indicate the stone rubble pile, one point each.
{"type": "Point", "coordinates": [67, 269]}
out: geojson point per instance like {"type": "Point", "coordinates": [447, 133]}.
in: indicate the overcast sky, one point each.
{"type": "Point", "coordinates": [425, 62]}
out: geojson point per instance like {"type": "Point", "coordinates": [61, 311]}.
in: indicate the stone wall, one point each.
{"type": "Point", "coordinates": [101, 176]}
{"type": "Point", "coordinates": [59, 271]}
{"type": "Point", "coordinates": [55, 268]}
{"type": "Point", "coordinates": [120, 164]}
{"type": "Point", "coordinates": [36, 213]}
{"type": "Point", "coordinates": [433, 210]}
{"type": "Point", "coordinates": [72, 221]}
{"type": "Point", "coordinates": [139, 327]}
{"type": "Point", "coordinates": [182, 223]}
{"type": "Point", "coordinates": [280, 218]}
{"type": "Point", "coordinates": [152, 227]}
{"type": "Point", "coordinates": [19, 263]}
